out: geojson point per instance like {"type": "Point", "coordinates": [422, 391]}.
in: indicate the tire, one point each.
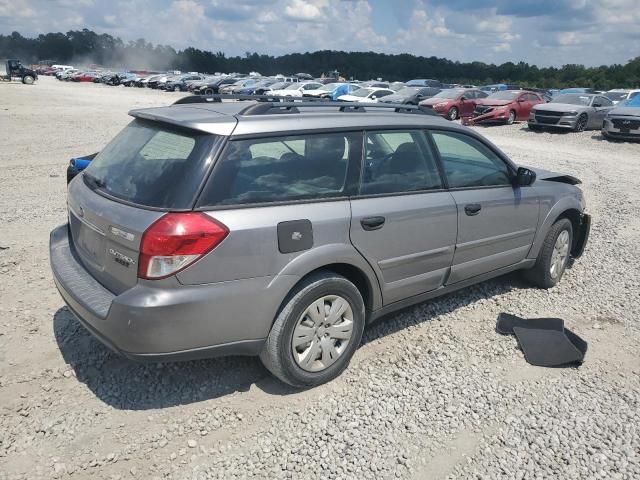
{"type": "Point", "coordinates": [512, 117]}
{"type": "Point", "coordinates": [542, 275]}
{"type": "Point", "coordinates": [581, 123]}
{"type": "Point", "coordinates": [278, 352]}
{"type": "Point", "coordinates": [452, 114]}
{"type": "Point", "coordinates": [208, 91]}
{"type": "Point", "coordinates": [28, 80]}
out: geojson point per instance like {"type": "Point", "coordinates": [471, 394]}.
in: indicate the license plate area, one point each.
{"type": "Point", "coordinates": [88, 240]}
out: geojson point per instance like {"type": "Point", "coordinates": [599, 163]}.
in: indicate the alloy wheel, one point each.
{"type": "Point", "coordinates": [559, 254]}
{"type": "Point", "coordinates": [582, 123]}
{"type": "Point", "coordinates": [322, 333]}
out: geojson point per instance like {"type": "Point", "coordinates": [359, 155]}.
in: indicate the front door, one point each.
{"type": "Point", "coordinates": [403, 221]}
{"type": "Point", "coordinates": [496, 221]}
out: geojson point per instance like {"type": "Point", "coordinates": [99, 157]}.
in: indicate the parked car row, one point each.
{"type": "Point", "coordinates": [576, 109]}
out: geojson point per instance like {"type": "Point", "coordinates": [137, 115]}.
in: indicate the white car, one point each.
{"type": "Point", "coordinates": [618, 95]}
{"type": "Point", "coordinates": [366, 95]}
{"type": "Point", "coordinates": [329, 89]}
{"type": "Point", "coordinates": [296, 89]}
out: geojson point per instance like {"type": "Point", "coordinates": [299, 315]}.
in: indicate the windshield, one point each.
{"type": "Point", "coordinates": [407, 91]}
{"type": "Point", "coordinates": [449, 94]}
{"type": "Point", "coordinates": [616, 96]}
{"type": "Point", "coordinates": [362, 92]}
{"type": "Point", "coordinates": [152, 164]}
{"type": "Point", "coordinates": [633, 101]}
{"type": "Point", "coordinates": [504, 95]}
{"type": "Point", "coordinates": [573, 99]}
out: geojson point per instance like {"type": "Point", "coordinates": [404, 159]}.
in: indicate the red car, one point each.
{"type": "Point", "coordinates": [454, 103]}
{"type": "Point", "coordinates": [505, 106]}
{"type": "Point", "coordinates": [84, 77]}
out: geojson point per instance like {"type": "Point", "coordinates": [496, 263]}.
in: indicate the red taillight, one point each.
{"type": "Point", "coordinates": [175, 241]}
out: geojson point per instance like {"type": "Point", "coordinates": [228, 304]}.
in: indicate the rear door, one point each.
{"type": "Point", "coordinates": [403, 221]}
{"type": "Point", "coordinates": [496, 221]}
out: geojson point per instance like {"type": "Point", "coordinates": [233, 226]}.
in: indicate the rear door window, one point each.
{"type": "Point", "coordinates": [281, 169]}
{"type": "Point", "coordinates": [153, 165]}
{"type": "Point", "coordinates": [398, 162]}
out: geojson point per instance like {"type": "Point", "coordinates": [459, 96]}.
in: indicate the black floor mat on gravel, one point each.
{"type": "Point", "coordinates": [544, 341]}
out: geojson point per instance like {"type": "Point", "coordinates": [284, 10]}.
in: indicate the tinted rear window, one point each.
{"type": "Point", "coordinates": [283, 169]}
{"type": "Point", "coordinates": [153, 165]}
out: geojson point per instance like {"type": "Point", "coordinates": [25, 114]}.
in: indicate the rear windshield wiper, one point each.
{"type": "Point", "coordinates": [93, 182]}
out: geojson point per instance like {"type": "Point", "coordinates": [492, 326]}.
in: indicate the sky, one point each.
{"type": "Point", "coordinates": [541, 32]}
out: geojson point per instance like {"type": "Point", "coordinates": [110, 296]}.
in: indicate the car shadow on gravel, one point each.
{"type": "Point", "coordinates": [428, 311]}
{"type": "Point", "coordinates": [129, 385]}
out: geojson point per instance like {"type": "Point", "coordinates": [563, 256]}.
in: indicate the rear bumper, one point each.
{"type": "Point", "coordinates": [149, 323]}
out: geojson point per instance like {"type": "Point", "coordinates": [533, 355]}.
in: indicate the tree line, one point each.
{"type": "Point", "coordinates": [88, 47]}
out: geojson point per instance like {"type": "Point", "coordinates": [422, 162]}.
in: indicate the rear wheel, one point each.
{"type": "Point", "coordinates": [452, 114]}
{"type": "Point", "coordinates": [208, 91]}
{"type": "Point", "coordinates": [317, 332]}
{"type": "Point", "coordinates": [28, 80]}
{"type": "Point", "coordinates": [511, 118]}
{"type": "Point", "coordinates": [581, 123]}
{"type": "Point", "coordinates": [553, 256]}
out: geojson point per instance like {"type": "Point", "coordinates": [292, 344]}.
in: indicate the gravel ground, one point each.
{"type": "Point", "coordinates": [433, 392]}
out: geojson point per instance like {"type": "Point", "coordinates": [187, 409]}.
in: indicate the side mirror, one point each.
{"type": "Point", "coordinates": [373, 97]}
{"type": "Point", "coordinates": [597, 105]}
{"type": "Point", "coordinates": [525, 177]}
{"type": "Point", "coordinates": [462, 99]}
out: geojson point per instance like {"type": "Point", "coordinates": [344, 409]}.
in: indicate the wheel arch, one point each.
{"type": "Point", "coordinates": [567, 208]}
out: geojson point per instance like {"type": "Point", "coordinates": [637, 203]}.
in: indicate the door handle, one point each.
{"type": "Point", "coordinates": [472, 209]}
{"type": "Point", "coordinates": [372, 223]}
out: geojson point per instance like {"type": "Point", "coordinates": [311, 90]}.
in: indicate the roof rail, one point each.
{"type": "Point", "coordinates": [269, 105]}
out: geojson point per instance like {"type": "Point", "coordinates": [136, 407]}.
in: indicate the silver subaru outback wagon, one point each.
{"type": "Point", "coordinates": [282, 229]}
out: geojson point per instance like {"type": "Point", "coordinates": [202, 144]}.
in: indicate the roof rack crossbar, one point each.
{"type": "Point", "coordinates": [269, 105]}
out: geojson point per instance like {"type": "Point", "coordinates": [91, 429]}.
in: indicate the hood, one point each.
{"type": "Point", "coordinates": [549, 176]}
{"type": "Point", "coordinates": [560, 107]}
{"type": "Point", "coordinates": [351, 98]}
{"type": "Point", "coordinates": [493, 103]}
{"type": "Point", "coordinates": [435, 101]}
{"type": "Point", "coordinates": [626, 111]}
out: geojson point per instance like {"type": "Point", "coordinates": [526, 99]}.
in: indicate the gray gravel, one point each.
{"type": "Point", "coordinates": [432, 393]}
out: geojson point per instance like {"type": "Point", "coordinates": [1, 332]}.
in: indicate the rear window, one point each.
{"type": "Point", "coordinates": [283, 169]}
{"type": "Point", "coordinates": [152, 164]}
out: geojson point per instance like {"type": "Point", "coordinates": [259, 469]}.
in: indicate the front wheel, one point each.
{"type": "Point", "coordinates": [317, 331]}
{"type": "Point", "coordinates": [581, 123]}
{"type": "Point", "coordinates": [511, 118]}
{"type": "Point", "coordinates": [452, 114]}
{"type": "Point", "coordinates": [553, 256]}
{"type": "Point", "coordinates": [28, 80]}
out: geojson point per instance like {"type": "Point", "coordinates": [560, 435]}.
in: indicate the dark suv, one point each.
{"type": "Point", "coordinates": [282, 229]}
